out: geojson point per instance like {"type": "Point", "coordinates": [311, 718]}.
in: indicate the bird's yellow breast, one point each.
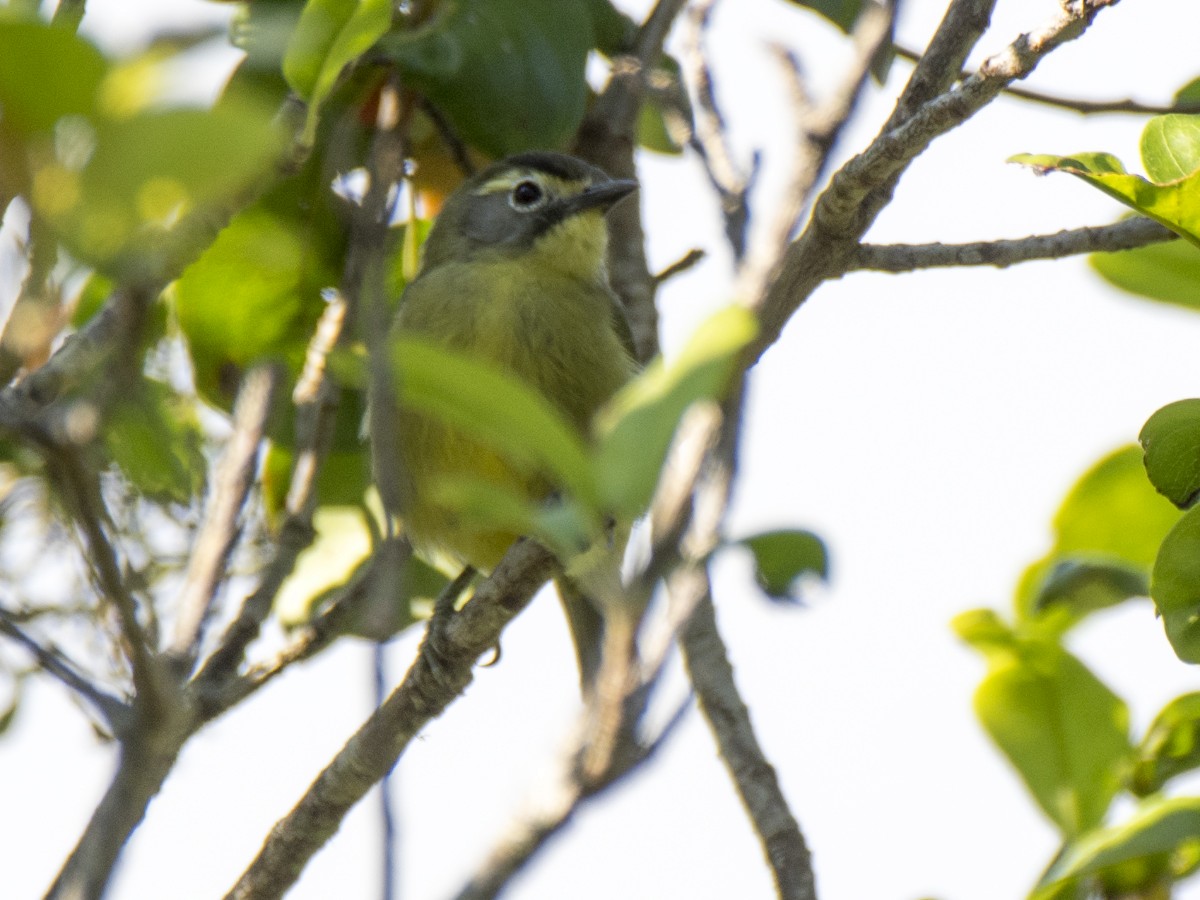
{"type": "Point", "coordinates": [534, 317]}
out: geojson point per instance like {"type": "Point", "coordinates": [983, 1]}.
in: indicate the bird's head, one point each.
{"type": "Point", "coordinates": [545, 207]}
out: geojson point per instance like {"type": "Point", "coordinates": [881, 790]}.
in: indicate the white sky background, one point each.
{"type": "Point", "coordinates": [926, 425]}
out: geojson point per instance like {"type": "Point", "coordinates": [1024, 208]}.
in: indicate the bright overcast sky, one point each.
{"type": "Point", "coordinates": [926, 425]}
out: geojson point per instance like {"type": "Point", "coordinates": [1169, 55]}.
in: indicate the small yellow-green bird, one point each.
{"type": "Point", "coordinates": [514, 273]}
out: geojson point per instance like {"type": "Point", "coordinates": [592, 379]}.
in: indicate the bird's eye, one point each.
{"type": "Point", "coordinates": [526, 195]}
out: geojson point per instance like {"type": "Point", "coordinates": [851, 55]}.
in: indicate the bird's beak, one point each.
{"type": "Point", "coordinates": [602, 196]}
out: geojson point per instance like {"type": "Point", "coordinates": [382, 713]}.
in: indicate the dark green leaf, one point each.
{"type": "Point", "coordinates": [1189, 93]}
{"type": "Point", "coordinates": [154, 438]}
{"type": "Point", "coordinates": [1171, 147]}
{"type": "Point", "coordinates": [531, 94]}
{"type": "Point", "coordinates": [1171, 746]}
{"type": "Point", "coordinates": [842, 13]}
{"type": "Point", "coordinates": [1157, 828]}
{"type": "Point", "coordinates": [615, 32]}
{"type": "Point", "coordinates": [46, 73]}
{"type": "Point", "coordinates": [1087, 586]}
{"type": "Point", "coordinates": [1175, 586]}
{"type": "Point", "coordinates": [636, 427]}
{"type": "Point", "coordinates": [1060, 726]}
{"type": "Point", "coordinates": [782, 558]}
{"type": "Point", "coordinates": [1167, 272]}
{"type": "Point", "coordinates": [1171, 441]}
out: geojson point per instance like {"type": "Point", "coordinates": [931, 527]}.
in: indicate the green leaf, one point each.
{"type": "Point", "coordinates": [509, 74]}
{"type": "Point", "coordinates": [45, 74]}
{"type": "Point", "coordinates": [1171, 746]}
{"type": "Point", "coordinates": [330, 35]}
{"type": "Point", "coordinates": [1159, 826]}
{"type": "Point", "coordinates": [155, 439]}
{"type": "Point", "coordinates": [1175, 205]}
{"type": "Point", "coordinates": [1089, 586]}
{"type": "Point", "coordinates": [344, 479]}
{"type": "Point", "coordinates": [1171, 147]}
{"type": "Point", "coordinates": [984, 630]}
{"type": "Point", "coordinates": [497, 410]}
{"type": "Point", "coordinates": [1171, 442]}
{"type": "Point", "coordinates": [842, 13]}
{"type": "Point", "coordinates": [1113, 510]}
{"type": "Point", "coordinates": [563, 527]}
{"type": "Point", "coordinates": [1107, 534]}
{"type": "Point", "coordinates": [652, 132]}
{"type": "Point", "coordinates": [1189, 93]}
{"type": "Point", "coordinates": [145, 173]}
{"type": "Point", "coordinates": [782, 558]}
{"type": "Point", "coordinates": [343, 540]}
{"type": "Point", "coordinates": [263, 262]}
{"type": "Point", "coordinates": [1168, 272]}
{"type": "Point", "coordinates": [1175, 585]}
{"type": "Point", "coordinates": [1061, 727]}
{"type": "Point", "coordinates": [636, 427]}
{"type": "Point", "coordinates": [615, 32]}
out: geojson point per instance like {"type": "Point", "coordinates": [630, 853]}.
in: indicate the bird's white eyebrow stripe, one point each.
{"type": "Point", "coordinates": [504, 182]}
{"type": "Point", "coordinates": [509, 180]}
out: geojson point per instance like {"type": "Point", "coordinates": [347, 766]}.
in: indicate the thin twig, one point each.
{"type": "Point", "coordinates": [80, 489]}
{"type": "Point", "coordinates": [1077, 104]}
{"type": "Point", "coordinates": [864, 185]}
{"type": "Point", "coordinates": [681, 265]}
{"type": "Point", "coordinates": [458, 150]}
{"type": "Point", "coordinates": [819, 126]}
{"type": "Point", "coordinates": [36, 314]}
{"type": "Point", "coordinates": [219, 533]}
{"type": "Point", "coordinates": [388, 837]}
{"type": "Point", "coordinates": [69, 14]}
{"type": "Point", "coordinates": [114, 711]}
{"type": "Point", "coordinates": [549, 815]}
{"type": "Point", "coordinates": [1126, 235]}
{"type": "Point", "coordinates": [708, 136]}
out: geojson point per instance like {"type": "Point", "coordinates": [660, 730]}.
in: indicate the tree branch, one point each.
{"type": "Point", "coordinates": [1076, 104]}
{"type": "Point", "coordinates": [819, 127]}
{"type": "Point", "coordinates": [114, 711]}
{"type": "Point", "coordinates": [548, 817]}
{"type": "Point", "coordinates": [712, 675]}
{"type": "Point", "coordinates": [863, 187]}
{"type": "Point", "coordinates": [1125, 235]}
{"type": "Point", "coordinates": [219, 533]}
{"type": "Point", "coordinates": [440, 674]}
{"type": "Point", "coordinates": [606, 138]}
{"type": "Point", "coordinates": [708, 134]}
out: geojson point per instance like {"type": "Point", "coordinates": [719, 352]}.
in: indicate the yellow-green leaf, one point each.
{"type": "Point", "coordinates": [496, 409]}
{"type": "Point", "coordinates": [636, 427]}
{"type": "Point", "coordinates": [1175, 205]}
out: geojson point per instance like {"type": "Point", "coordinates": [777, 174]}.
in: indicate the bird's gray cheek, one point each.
{"type": "Point", "coordinates": [493, 223]}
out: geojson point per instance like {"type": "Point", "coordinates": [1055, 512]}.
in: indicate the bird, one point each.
{"type": "Point", "coordinates": [514, 273]}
